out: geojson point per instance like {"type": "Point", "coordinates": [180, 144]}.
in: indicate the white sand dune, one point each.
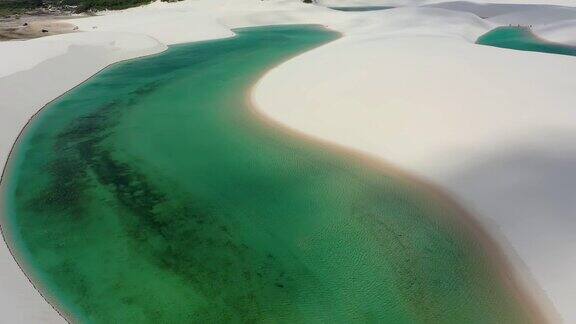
{"type": "Point", "coordinates": [539, 15]}
{"type": "Point", "coordinates": [437, 117]}
{"type": "Point", "coordinates": [553, 23]}
{"type": "Point", "coordinates": [489, 10]}
{"type": "Point", "coordinates": [491, 126]}
{"type": "Point", "coordinates": [403, 3]}
{"type": "Point", "coordinates": [562, 32]}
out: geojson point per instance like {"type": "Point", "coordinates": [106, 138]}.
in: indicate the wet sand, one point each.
{"type": "Point", "coordinates": [533, 300]}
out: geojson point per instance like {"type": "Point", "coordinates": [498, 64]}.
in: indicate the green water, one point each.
{"type": "Point", "coordinates": [521, 38]}
{"type": "Point", "coordinates": [151, 194]}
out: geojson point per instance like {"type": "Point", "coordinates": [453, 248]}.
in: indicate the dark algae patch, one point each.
{"type": "Point", "coordinates": [151, 194]}
{"type": "Point", "coordinates": [522, 38]}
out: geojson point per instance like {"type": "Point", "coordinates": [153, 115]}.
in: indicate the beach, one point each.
{"type": "Point", "coordinates": [488, 126]}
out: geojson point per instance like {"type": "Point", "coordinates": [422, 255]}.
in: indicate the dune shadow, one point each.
{"type": "Point", "coordinates": [488, 10]}
{"type": "Point", "coordinates": [529, 190]}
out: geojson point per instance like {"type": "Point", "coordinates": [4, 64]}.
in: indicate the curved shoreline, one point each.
{"type": "Point", "coordinates": [525, 36]}
{"type": "Point", "coordinates": [378, 162]}
{"type": "Point", "coordinates": [368, 107]}
{"type": "Point", "coordinates": [389, 170]}
{"type": "Point", "coordinates": [523, 286]}
{"type": "Point", "coordinates": [6, 237]}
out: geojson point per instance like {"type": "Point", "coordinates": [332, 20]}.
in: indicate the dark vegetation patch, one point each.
{"type": "Point", "coordinates": [8, 8]}
{"type": "Point", "coordinates": [14, 7]}
{"type": "Point", "coordinates": [174, 231]}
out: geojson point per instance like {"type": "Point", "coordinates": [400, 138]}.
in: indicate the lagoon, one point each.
{"type": "Point", "coordinates": [522, 38]}
{"type": "Point", "coordinates": [153, 193]}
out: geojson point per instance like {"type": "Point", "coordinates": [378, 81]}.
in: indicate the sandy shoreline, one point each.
{"type": "Point", "coordinates": [524, 288]}
{"type": "Point", "coordinates": [432, 145]}
{"type": "Point", "coordinates": [147, 30]}
{"type": "Point", "coordinates": [4, 222]}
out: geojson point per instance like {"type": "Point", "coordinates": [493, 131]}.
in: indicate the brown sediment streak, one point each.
{"type": "Point", "coordinates": [513, 275]}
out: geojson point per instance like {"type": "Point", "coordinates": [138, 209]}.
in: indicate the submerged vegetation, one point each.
{"type": "Point", "coordinates": [151, 194]}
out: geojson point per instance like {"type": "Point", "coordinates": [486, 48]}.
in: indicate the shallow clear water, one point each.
{"type": "Point", "coordinates": [521, 38]}
{"type": "Point", "coordinates": [151, 193]}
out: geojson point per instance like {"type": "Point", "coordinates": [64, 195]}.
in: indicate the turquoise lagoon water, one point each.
{"type": "Point", "coordinates": [521, 38]}
{"type": "Point", "coordinates": [152, 194]}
